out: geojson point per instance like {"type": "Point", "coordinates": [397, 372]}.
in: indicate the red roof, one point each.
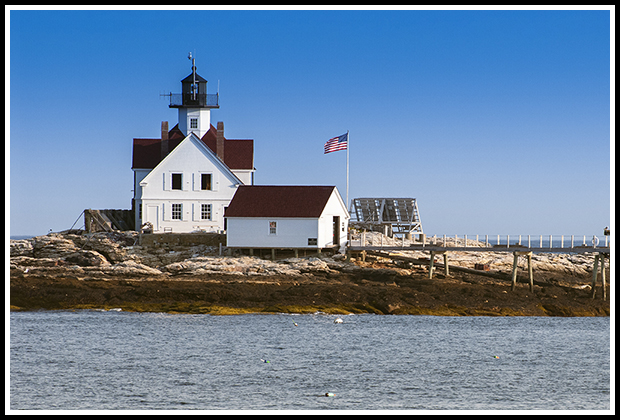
{"type": "Point", "coordinates": [238, 154]}
{"type": "Point", "coordinates": [279, 201]}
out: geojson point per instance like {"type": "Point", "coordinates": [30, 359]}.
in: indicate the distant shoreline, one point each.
{"type": "Point", "coordinates": [20, 237]}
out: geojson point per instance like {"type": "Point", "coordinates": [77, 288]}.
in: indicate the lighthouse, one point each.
{"type": "Point", "coordinates": [194, 103]}
{"type": "Point", "coordinates": [184, 180]}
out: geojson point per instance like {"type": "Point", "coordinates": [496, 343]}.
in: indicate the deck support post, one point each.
{"type": "Point", "coordinates": [431, 266]}
{"type": "Point", "coordinates": [595, 275]}
{"type": "Point", "coordinates": [530, 272]}
{"type": "Point", "coordinates": [514, 271]}
{"type": "Point", "coordinates": [603, 276]}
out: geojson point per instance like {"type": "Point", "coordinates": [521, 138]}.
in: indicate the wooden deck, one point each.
{"type": "Point", "coordinates": [600, 255]}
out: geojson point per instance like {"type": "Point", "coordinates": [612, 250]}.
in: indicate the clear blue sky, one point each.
{"type": "Point", "coordinates": [498, 122]}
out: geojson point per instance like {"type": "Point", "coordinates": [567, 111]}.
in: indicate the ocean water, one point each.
{"type": "Point", "coordinates": [108, 360]}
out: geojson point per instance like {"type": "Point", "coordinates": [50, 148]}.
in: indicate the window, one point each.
{"type": "Point", "coordinates": [177, 181]}
{"type": "Point", "coordinates": [205, 181]}
{"type": "Point", "coordinates": [193, 123]}
{"type": "Point", "coordinates": [312, 241]}
{"type": "Point", "coordinates": [272, 228]}
{"type": "Point", "coordinates": [177, 211]}
{"type": "Point", "coordinates": [205, 211]}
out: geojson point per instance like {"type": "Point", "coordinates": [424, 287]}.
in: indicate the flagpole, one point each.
{"type": "Point", "coordinates": [348, 145]}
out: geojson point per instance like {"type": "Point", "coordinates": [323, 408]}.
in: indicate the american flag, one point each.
{"type": "Point", "coordinates": [337, 143]}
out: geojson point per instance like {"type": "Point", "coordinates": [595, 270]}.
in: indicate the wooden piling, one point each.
{"type": "Point", "coordinates": [594, 275]}
{"type": "Point", "coordinates": [430, 266]}
{"type": "Point", "coordinates": [530, 271]}
{"type": "Point", "coordinates": [514, 271]}
{"type": "Point", "coordinates": [603, 276]}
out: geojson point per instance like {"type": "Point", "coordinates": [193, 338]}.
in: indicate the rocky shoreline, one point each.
{"type": "Point", "coordinates": [110, 270]}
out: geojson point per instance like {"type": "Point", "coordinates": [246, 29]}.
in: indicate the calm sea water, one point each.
{"type": "Point", "coordinates": [97, 360]}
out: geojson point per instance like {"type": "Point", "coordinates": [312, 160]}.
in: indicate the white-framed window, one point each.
{"type": "Point", "coordinates": [177, 182]}
{"type": "Point", "coordinates": [273, 228]}
{"type": "Point", "coordinates": [193, 123]}
{"type": "Point", "coordinates": [206, 182]}
{"type": "Point", "coordinates": [205, 211]}
{"type": "Point", "coordinates": [177, 211]}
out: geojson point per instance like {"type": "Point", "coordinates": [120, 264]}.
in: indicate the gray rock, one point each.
{"type": "Point", "coordinates": [21, 247]}
{"type": "Point", "coordinates": [86, 259]}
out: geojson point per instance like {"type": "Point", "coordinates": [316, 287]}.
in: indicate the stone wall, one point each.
{"type": "Point", "coordinates": [182, 239]}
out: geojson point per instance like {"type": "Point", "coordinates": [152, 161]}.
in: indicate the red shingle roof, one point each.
{"type": "Point", "coordinates": [238, 154]}
{"type": "Point", "coordinates": [279, 201]}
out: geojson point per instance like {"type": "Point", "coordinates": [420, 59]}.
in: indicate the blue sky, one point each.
{"type": "Point", "coordinates": [497, 122]}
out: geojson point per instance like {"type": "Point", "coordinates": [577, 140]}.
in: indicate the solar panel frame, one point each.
{"type": "Point", "coordinates": [401, 213]}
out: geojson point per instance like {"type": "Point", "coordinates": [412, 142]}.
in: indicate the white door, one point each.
{"type": "Point", "coordinates": [152, 215]}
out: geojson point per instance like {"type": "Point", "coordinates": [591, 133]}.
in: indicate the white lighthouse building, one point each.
{"type": "Point", "coordinates": [184, 180]}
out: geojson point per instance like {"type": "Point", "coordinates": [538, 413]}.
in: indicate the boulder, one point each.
{"type": "Point", "coordinates": [53, 246]}
{"type": "Point", "coordinates": [86, 259]}
{"type": "Point", "coordinates": [131, 268]}
{"type": "Point", "coordinates": [103, 244]}
{"type": "Point", "coordinates": [21, 247]}
{"type": "Point", "coordinates": [24, 261]}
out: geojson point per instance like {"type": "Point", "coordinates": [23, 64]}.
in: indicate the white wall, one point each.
{"type": "Point", "coordinates": [244, 175]}
{"type": "Point", "coordinates": [191, 215]}
{"type": "Point", "coordinates": [189, 159]}
{"type": "Point", "coordinates": [254, 232]}
{"type": "Point", "coordinates": [334, 207]}
{"type": "Point", "coordinates": [204, 120]}
{"type": "Point", "coordinates": [250, 232]}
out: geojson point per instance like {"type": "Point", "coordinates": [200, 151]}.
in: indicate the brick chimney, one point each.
{"type": "Point", "coordinates": [164, 139]}
{"type": "Point", "coordinates": [219, 144]}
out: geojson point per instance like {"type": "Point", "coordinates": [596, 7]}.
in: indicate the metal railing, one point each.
{"type": "Point", "coordinates": [486, 242]}
{"type": "Point", "coordinates": [200, 99]}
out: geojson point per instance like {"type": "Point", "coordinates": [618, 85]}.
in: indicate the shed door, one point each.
{"type": "Point", "coordinates": [336, 240]}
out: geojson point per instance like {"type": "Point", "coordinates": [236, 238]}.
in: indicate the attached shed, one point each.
{"type": "Point", "coordinates": [296, 217]}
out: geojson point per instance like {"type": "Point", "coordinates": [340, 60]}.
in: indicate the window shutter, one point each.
{"type": "Point", "coordinates": [164, 182]}
{"type": "Point", "coordinates": [165, 212]}
{"type": "Point", "coordinates": [185, 185]}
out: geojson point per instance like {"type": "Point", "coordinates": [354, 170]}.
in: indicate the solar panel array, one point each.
{"type": "Point", "coordinates": [401, 213]}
